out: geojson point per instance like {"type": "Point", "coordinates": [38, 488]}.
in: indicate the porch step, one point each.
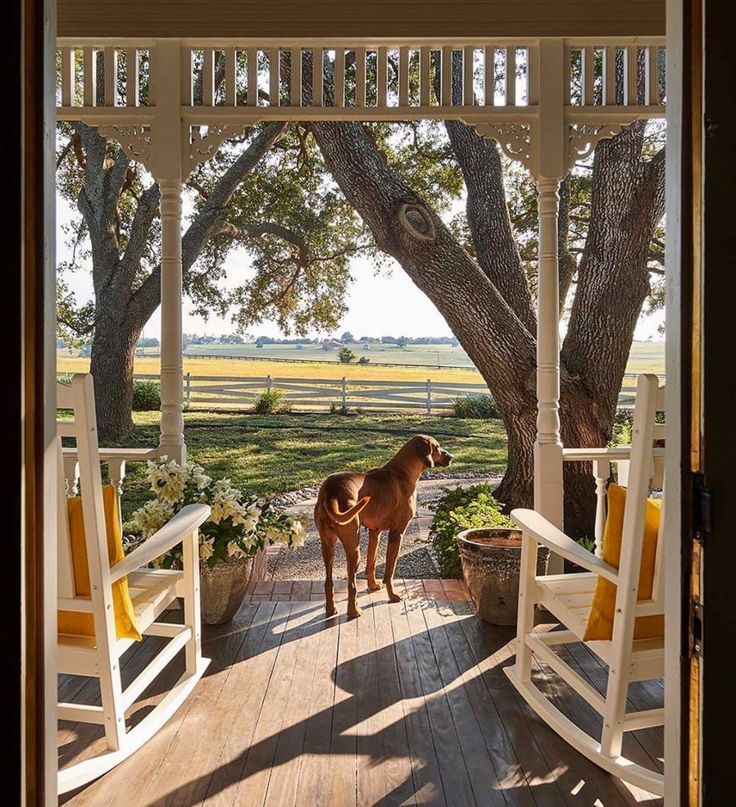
{"type": "Point", "coordinates": [313, 590]}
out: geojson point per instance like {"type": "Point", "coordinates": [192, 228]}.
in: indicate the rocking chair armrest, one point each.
{"type": "Point", "coordinates": [172, 533]}
{"type": "Point", "coordinates": [545, 532]}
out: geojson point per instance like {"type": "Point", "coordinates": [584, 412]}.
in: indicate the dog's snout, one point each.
{"type": "Point", "coordinates": [447, 457]}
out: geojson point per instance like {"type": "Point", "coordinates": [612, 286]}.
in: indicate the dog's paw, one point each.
{"type": "Point", "coordinates": [330, 610]}
{"type": "Point", "coordinates": [374, 585]}
{"type": "Point", "coordinates": [394, 597]}
{"type": "Point", "coordinates": [354, 613]}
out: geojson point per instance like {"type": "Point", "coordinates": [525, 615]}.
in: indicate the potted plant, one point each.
{"type": "Point", "coordinates": [473, 538]}
{"type": "Point", "coordinates": [238, 528]}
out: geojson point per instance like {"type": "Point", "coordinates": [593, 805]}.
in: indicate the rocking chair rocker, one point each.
{"type": "Point", "coordinates": [97, 651]}
{"type": "Point", "coordinates": [570, 597]}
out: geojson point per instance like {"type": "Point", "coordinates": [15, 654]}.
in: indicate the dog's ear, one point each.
{"type": "Point", "coordinates": [424, 449]}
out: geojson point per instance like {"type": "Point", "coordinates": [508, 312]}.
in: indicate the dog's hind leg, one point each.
{"type": "Point", "coordinates": [392, 553]}
{"type": "Point", "coordinates": [370, 560]}
{"type": "Point", "coordinates": [352, 555]}
{"type": "Point", "coordinates": [328, 556]}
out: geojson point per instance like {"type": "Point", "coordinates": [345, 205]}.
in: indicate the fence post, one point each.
{"type": "Point", "coordinates": [188, 393]}
{"type": "Point", "coordinates": [344, 393]}
{"type": "Point", "coordinates": [429, 396]}
{"type": "Point", "coordinates": [268, 383]}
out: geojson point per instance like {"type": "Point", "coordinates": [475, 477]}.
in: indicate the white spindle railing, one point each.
{"type": "Point", "coordinates": [410, 77]}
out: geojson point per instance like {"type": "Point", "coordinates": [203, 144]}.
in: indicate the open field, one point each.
{"type": "Point", "coordinates": [269, 454]}
{"type": "Point", "coordinates": [645, 357]}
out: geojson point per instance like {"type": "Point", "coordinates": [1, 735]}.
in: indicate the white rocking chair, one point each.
{"type": "Point", "coordinates": [151, 591]}
{"type": "Point", "coordinates": [569, 598]}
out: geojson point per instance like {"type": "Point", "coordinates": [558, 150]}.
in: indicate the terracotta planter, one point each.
{"type": "Point", "coordinates": [491, 562]}
{"type": "Point", "coordinates": [222, 588]}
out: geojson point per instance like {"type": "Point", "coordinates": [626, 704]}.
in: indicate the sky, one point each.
{"type": "Point", "coordinates": [378, 305]}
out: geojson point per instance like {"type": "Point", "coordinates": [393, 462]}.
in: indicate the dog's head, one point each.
{"type": "Point", "coordinates": [430, 451]}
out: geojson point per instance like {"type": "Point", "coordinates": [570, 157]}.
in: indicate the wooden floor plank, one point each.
{"type": "Point", "coordinates": [252, 785]}
{"type": "Point", "coordinates": [424, 756]}
{"type": "Point", "coordinates": [484, 778]}
{"type": "Point", "coordinates": [515, 777]}
{"type": "Point", "coordinates": [391, 720]}
{"type": "Point", "coordinates": [246, 694]}
{"type": "Point", "coordinates": [283, 784]}
{"type": "Point", "coordinates": [314, 768]}
{"type": "Point", "coordinates": [198, 738]}
{"type": "Point", "coordinates": [369, 725]}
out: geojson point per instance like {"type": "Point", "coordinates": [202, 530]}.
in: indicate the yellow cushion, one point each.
{"type": "Point", "coordinates": [82, 624]}
{"type": "Point", "coordinates": [600, 621]}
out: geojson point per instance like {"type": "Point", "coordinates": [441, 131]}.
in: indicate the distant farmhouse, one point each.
{"type": "Point", "coordinates": [331, 344]}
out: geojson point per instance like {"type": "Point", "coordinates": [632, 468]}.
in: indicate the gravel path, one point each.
{"type": "Point", "coordinates": [415, 560]}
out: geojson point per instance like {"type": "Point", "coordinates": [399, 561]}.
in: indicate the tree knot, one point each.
{"type": "Point", "coordinates": [417, 222]}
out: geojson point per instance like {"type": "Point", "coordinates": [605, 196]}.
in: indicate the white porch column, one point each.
{"type": "Point", "coordinates": [167, 167]}
{"type": "Point", "coordinates": [172, 365]}
{"type": "Point", "coordinates": [548, 447]}
{"type": "Point", "coordinates": [552, 133]}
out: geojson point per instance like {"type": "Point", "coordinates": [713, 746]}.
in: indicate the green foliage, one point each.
{"type": "Point", "coordinates": [146, 396]}
{"type": "Point", "coordinates": [475, 406]}
{"type": "Point", "coordinates": [363, 360]}
{"type": "Point", "coordinates": [345, 355]}
{"type": "Point", "coordinates": [461, 509]}
{"type": "Point", "coordinates": [270, 401]}
{"type": "Point", "coordinates": [339, 409]}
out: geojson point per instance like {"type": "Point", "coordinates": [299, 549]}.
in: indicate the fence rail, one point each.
{"type": "Point", "coordinates": [319, 394]}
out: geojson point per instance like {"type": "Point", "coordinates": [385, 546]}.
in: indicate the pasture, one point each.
{"type": "Point", "coordinates": [273, 360]}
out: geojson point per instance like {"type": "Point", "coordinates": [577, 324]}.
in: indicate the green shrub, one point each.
{"type": "Point", "coordinates": [345, 355]}
{"type": "Point", "coordinates": [146, 396]}
{"type": "Point", "coordinates": [339, 409]}
{"type": "Point", "coordinates": [480, 407]}
{"type": "Point", "coordinates": [270, 401]}
{"type": "Point", "coordinates": [460, 509]}
{"type": "Point", "coordinates": [364, 360]}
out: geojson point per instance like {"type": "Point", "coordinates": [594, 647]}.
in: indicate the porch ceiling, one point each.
{"type": "Point", "coordinates": [357, 18]}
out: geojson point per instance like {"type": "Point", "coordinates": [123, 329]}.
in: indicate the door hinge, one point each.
{"type": "Point", "coordinates": [696, 629]}
{"type": "Point", "coordinates": [702, 508]}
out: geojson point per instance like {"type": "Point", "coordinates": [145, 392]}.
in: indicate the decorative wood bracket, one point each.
{"type": "Point", "coordinates": [517, 140]}
{"type": "Point", "coordinates": [135, 140]}
{"type": "Point", "coordinates": [584, 137]}
{"type": "Point", "coordinates": [201, 147]}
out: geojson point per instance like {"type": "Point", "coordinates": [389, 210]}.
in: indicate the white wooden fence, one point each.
{"type": "Point", "coordinates": [322, 393]}
{"type": "Point", "coordinates": [319, 394]}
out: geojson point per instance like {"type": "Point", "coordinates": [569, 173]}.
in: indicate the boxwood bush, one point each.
{"type": "Point", "coordinates": [460, 509]}
{"type": "Point", "coordinates": [146, 396]}
{"type": "Point", "coordinates": [480, 407]}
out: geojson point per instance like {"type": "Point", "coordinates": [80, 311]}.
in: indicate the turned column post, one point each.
{"type": "Point", "coordinates": [167, 167]}
{"type": "Point", "coordinates": [551, 168]}
{"type": "Point", "coordinates": [172, 365]}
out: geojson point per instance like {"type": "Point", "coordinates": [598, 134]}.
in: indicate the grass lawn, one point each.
{"type": "Point", "coordinates": [268, 454]}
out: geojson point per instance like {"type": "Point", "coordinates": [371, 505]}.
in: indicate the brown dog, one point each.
{"type": "Point", "coordinates": [382, 499]}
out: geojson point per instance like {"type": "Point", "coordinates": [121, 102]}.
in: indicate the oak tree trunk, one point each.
{"type": "Point", "coordinates": [113, 352]}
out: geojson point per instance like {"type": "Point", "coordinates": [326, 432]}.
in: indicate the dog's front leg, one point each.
{"type": "Point", "coordinates": [392, 553]}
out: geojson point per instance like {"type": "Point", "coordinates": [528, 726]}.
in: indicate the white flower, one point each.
{"type": "Point", "coordinates": [151, 517]}
{"type": "Point", "coordinates": [206, 548]}
{"type": "Point", "coordinates": [199, 477]}
{"type": "Point", "coordinates": [298, 531]}
{"type": "Point", "coordinates": [236, 551]}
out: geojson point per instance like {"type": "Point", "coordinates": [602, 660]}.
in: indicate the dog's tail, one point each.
{"type": "Point", "coordinates": [348, 515]}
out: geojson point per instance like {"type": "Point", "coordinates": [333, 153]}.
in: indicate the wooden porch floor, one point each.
{"type": "Point", "coordinates": [406, 705]}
